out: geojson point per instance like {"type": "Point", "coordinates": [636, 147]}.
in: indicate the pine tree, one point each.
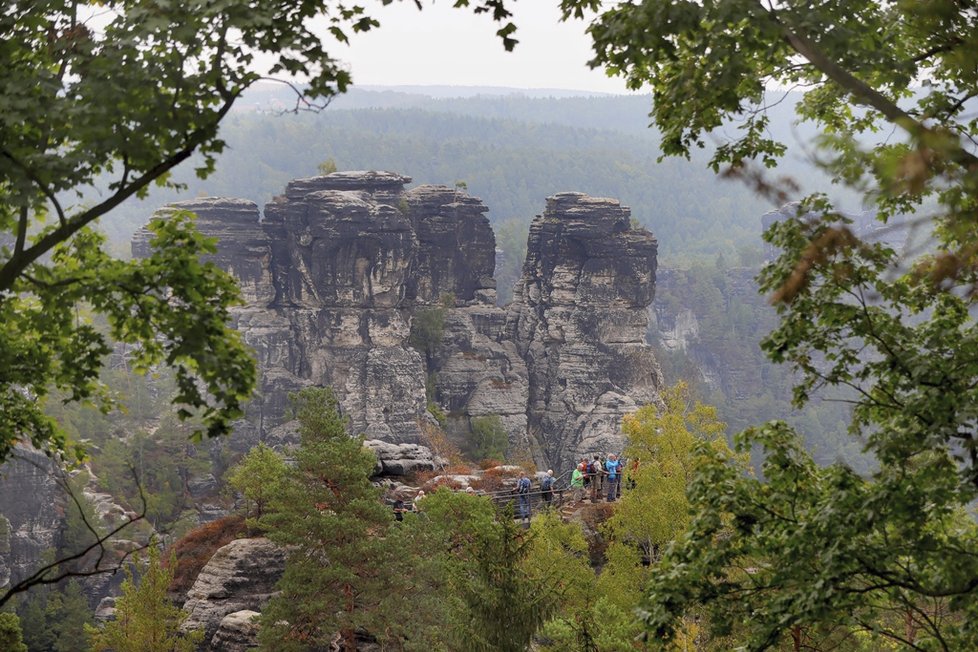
{"type": "Point", "coordinates": [503, 582]}
{"type": "Point", "coordinates": [69, 613]}
{"type": "Point", "coordinates": [145, 619]}
{"type": "Point", "coordinates": [10, 635]}
{"type": "Point", "coordinates": [257, 476]}
{"type": "Point", "coordinates": [338, 573]}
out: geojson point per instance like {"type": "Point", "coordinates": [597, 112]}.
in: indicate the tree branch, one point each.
{"type": "Point", "coordinates": [45, 190]}
{"type": "Point", "coordinates": [14, 267]}
{"type": "Point", "coordinates": [54, 572]}
{"type": "Point", "coordinates": [862, 92]}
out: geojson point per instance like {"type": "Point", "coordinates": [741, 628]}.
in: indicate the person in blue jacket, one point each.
{"type": "Point", "coordinates": [613, 468]}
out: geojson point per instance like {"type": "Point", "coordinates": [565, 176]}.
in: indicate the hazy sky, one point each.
{"type": "Point", "coordinates": [442, 45]}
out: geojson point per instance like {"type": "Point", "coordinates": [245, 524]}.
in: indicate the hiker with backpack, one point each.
{"type": "Point", "coordinates": [523, 491]}
{"type": "Point", "coordinates": [594, 471]}
{"type": "Point", "coordinates": [547, 487]}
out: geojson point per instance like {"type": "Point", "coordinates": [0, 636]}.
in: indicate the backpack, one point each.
{"type": "Point", "coordinates": [523, 486]}
{"type": "Point", "coordinates": [547, 483]}
{"type": "Point", "coordinates": [592, 468]}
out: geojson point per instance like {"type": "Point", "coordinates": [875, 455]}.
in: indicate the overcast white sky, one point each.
{"type": "Point", "coordinates": [446, 46]}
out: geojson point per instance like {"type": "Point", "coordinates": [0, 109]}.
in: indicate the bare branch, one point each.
{"type": "Point", "coordinates": [302, 102]}
{"type": "Point", "coordinates": [57, 570]}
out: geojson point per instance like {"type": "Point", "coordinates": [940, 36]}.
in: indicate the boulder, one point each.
{"type": "Point", "coordinates": [237, 632]}
{"type": "Point", "coordinates": [401, 459]}
{"type": "Point", "coordinates": [241, 575]}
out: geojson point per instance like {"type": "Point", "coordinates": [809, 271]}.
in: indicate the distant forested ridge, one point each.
{"type": "Point", "coordinates": [512, 151]}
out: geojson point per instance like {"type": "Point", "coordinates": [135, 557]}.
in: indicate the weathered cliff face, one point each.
{"type": "Point", "coordinates": [32, 511]}
{"type": "Point", "coordinates": [331, 274]}
{"type": "Point", "coordinates": [35, 511]}
{"type": "Point", "coordinates": [338, 267]}
{"type": "Point", "coordinates": [698, 317]}
{"type": "Point", "coordinates": [579, 319]}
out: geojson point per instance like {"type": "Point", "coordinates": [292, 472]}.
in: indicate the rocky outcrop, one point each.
{"type": "Point", "coordinates": [36, 510]}
{"type": "Point", "coordinates": [238, 632]}
{"type": "Point", "coordinates": [29, 527]}
{"type": "Point", "coordinates": [478, 372]}
{"type": "Point", "coordinates": [401, 459]}
{"type": "Point", "coordinates": [331, 273]}
{"type": "Point", "coordinates": [338, 269]}
{"type": "Point", "coordinates": [240, 576]}
{"type": "Point", "coordinates": [579, 319]}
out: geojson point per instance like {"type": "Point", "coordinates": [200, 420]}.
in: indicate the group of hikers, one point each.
{"type": "Point", "coordinates": [598, 478]}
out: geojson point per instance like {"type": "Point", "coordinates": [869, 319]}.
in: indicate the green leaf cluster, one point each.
{"type": "Point", "coordinates": [257, 477]}
{"type": "Point", "coordinates": [125, 91]}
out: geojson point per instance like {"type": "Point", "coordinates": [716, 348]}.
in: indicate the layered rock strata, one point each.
{"type": "Point", "coordinates": [339, 267]}
{"type": "Point", "coordinates": [579, 319]}
{"type": "Point", "coordinates": [240, 576]}
{"type": "Point", "coordinates": [33, 505]}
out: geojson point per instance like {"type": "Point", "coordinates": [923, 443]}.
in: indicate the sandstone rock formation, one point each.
{"type": "Point", "coordinates": [240, 576]}
{"type": "Point", "coordinates": [338, 269]}
{"type": "Point", "coordinates": [579, 320]}
{"type": "Point", "coordinates": [238, 632]}
{"type": "Point", "coordinates": [401, 459]}
{"type": "Point", "coordinates": [28, 527]}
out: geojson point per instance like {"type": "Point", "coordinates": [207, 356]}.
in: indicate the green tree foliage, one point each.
{"type": "Point", "coordinates": [501, 582]}
{"type": "Point", "coordinates": [162, 460]}
{"type": "Point", "coordinates": [811, 547]}
{"type": "Point", "coordinates": [338, 576]}
{"type": "Point", "coordinates": [170, 303]}
{"type": "Point", "coordinates": [427, 331]}
{"type": "Point", "coordinates": [660, 460]}
{"type": "Point", "coordinates": [327, 167]}
{"type": "Point", "coordinates": [125, 103]}
{"type": "Point", "coordinates": [68, 614]}
{"type": "Point", "coordinates": [488, 439]}
{"type": "Point", "coordinates": [10, 636]}
{"type": "Point", "coordinates": [257, 476]}
{"type": "Point", "coordinates": [145, 619]}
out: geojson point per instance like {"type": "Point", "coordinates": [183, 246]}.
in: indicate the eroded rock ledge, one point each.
{"type": "Point", "coordinates": [338, 266]}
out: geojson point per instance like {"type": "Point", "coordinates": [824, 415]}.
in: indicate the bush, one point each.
{"type": "Point", "coordinates": [494, 479]}
{"type": "Point", "coordinates": [441, 481]}
{"type": "Point", "coordinates": [488, 439]}
{"type": "Point", "coordinates": [193, 551]}
{"type": "Point", "coordinates": [427, 330]}
{"type": "Point", "coordinates": [458, 469]}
